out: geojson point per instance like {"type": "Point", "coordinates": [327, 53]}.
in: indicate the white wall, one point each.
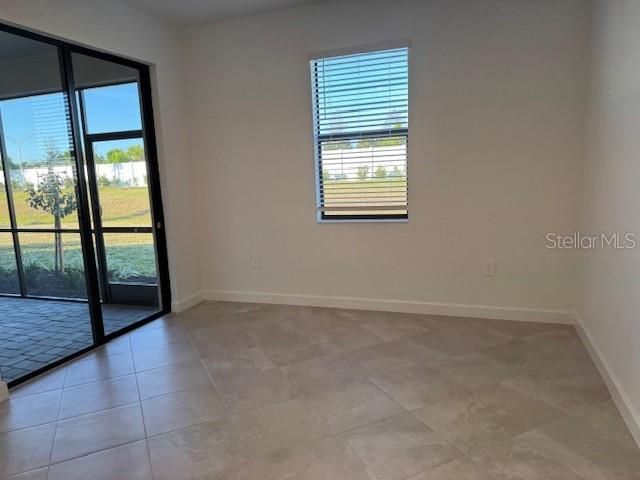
{"type": "Point", "coordinates": [116, 28]}
{"type": "Point", "coordinates": [496, 116]}
{"type": "Point", "coordinates": [609, 302]}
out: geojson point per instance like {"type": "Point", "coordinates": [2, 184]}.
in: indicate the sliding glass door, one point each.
{"type": "Point", "coordinates": [117, 170]}
{"type": "Point", "coordinates": [81, 224]}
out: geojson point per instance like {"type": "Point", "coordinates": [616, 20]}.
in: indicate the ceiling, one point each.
{"type": "Point", "coordinates": [191, 12]}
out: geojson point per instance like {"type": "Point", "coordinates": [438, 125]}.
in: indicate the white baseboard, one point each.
{"type": "Point", "coordinates": [618, 393]}
{"type": "Point", "coordinates": [401, 306]}
{"type": "Point", "coordinates": [186, 303]}
{"type": "Point", "coordinates": [4, 391]}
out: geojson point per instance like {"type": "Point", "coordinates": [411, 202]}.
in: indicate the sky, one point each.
{"type": "Point", "coordinates": [362, 92]}
{"type": "Point", "coordinates": [33, 122]}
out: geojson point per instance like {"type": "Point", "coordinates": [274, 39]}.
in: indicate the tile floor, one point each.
{"type": "Point", "coordinates": [35, 333]}
{"type": "Point", "coordinates": [241, 392]}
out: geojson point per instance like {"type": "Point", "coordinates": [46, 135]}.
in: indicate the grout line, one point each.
{"type": "Point", "coordinates": [55, 427]}
{"type": "Point", "coordinates": [213, 383]}
{"type": "Point", "coordinates": [144, 424]}
{"type": "Point", "coordinates": [94, 452]}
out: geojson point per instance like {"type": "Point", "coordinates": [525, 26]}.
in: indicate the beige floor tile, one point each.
{"type": "Point", "coordinates": [399, 447]}
{"type": "Point", "coordinates": [459, 469]}
{"type": "Point", "coordinates": [29, 411]}
{"type": "Point", "coordinates": [182, 409]}
{"type": "Point", "coordinates": [287, 341]}
{"type": "Point", "coordinates": [600, 436]}
{"type": "Point", "coordinates": [351, 405]}
{"type": "Point", "coordinates": [39, 474]}
{"type": "Point", "coordinates": [610, 407]}
{"type": "Point", "coordinates": [326, 459]}
{"type": "Point", "coordinates": [280, 427]}
{"type": "Point", "coordinates": [486, 416]}
{"type": "Point", "coordinates": [102, 395]}
{"type": "Point", "coordinates": [166, 321]}
{"type": "Point", "coordinates": [152, 383]}
{"type": "Point", "coordinates": [390, 356]}
{"type": "Point", "coordinates": [163, 356]}
{"type": "Point", "coordinates": [394, 326]}
{"type": "Point", "coordinates": [208, 313]}
{"type": "Point", "coordinates": [229, 336]}
{"type": "Point", "coordinates": [518, 353]}
{"type": "Point", "coordinates": [205, 451]}
{"type": "Point", "coordinates": [130, 462]}
{"type": "Point", "coordinates": [414, 387]}
{"type": "Point", "coordinates": [519, 329]}
{"type": "Point", "coordinates": [473, 370]}
{"type": "Point", "coordinates": [97, 431]}
{"type": "Point", "coordinates": [346, 335]}
{"type": "Point", "coordinates": [47, 382]}
{"type": "Point", "coordinates": [146, 338]}
{"type": "Point", "coordinates": [566, 385]}
{"type": "Point", "coordinates": [248, 379]}
{"type": "Point", "coordinates": [320, 374]}
{"type": "Point", "coordinates": [318, 394]}
{"type": "Point", "coordinates": [25, 450]}
{"type": "Point", "coordinates": [95, 368]}
{"type": "Point", "coordinates": [121, 344]}
{"type": "Point", "coordinates": [458, 339]}
{"type": "Point", "coordinates": [283, 355]}
{"type": "Point", "coordinates": [535, 456]}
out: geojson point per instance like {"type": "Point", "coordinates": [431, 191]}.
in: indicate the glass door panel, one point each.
{"type": "Point", "coordinates": [110, 108]}
{"type": "Point", "coordinates": [82, 246]}
{"type": "Point", "coordinates": [118, 179]}
{"type": "Point", "coordinates": [41, 256]}
{"type": "Point", "coordinates": [9, 282]}
{"type": "Point", "coordinates": [121, 174]}
{"type": "Point", "coordinates": [45, 254]}
{"type": "Point", "coordinates": [5, 222]}
{"type": "Point", "coordinates": [42, 171]}
{"type": "Point", "coordinates": [131, 258]}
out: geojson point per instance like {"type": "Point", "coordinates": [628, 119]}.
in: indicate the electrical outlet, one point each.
{"type": "Point", "coordinates": [254, 260]}
{"type": "Point", "coordinates": [489, 269]}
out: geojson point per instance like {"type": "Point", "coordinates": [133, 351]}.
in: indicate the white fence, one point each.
{"type": "Point", "coordinates": [130, 174]}
{"type": "Point", "coordinates": [350, 163]}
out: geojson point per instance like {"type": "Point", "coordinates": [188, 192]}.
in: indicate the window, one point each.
{"type": "Point", "coordinates": [361, 131]}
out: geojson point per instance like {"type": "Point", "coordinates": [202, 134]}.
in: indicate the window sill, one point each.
{"type": "Point", "coordinates": [365, 220]}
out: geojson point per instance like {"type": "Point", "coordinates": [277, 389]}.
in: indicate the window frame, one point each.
{"type": "Point", "coordinates": [318, 139]}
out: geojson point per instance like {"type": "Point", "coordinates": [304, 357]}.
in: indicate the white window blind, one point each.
{"type": "Point", "coordinates": [361, 131]}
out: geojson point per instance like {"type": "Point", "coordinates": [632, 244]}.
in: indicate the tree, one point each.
{"type": "Point", "coordinates": [50, 196]}
{"type": "Point", "coordinates": [365, 143]}
{"type": "Point", "coordinates": [337, 145]}
{"type": "Point", "coordinates": [363, 172]}
{"type": "Point", "coordinates": [117, 155]}
{"type": "Point", "coordinates": [135, 153]}
{"type": "Point", "coordinates": [11, 165]}
{"type": "Point", "coordinates": [381, 172]}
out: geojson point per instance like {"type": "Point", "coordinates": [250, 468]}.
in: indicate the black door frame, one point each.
{"type": "Point", "coordinates": [112, 292]}
{"type": "Point", "coordinates": [65, 51]}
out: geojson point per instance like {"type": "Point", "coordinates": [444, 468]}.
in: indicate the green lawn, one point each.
{"type": "Point", "coordinates": [129, 256]}
{"type": "Point", "coordinates": [369, 192]}
{"type": "Point", "coordinates": [121, 207]}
